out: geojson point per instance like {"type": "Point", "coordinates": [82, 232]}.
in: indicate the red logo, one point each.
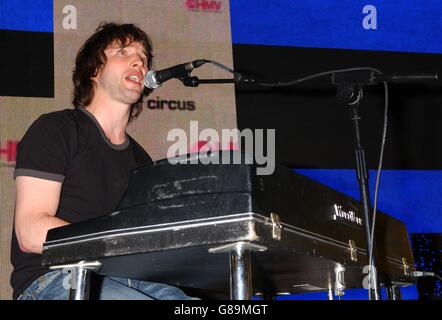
{"type": "Point", "coordinates": [203, 5]}
{"type": "Point", "coordinates": [8, 150]}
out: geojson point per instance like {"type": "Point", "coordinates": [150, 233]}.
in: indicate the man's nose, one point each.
{"type": "Point", "coordinates": [138, 63]}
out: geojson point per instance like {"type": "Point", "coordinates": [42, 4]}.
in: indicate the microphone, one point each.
{"type": "Point", "coordinates": [154, 79]}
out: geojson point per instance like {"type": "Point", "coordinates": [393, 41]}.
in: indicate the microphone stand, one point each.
{"type": "Point", "coordinates": [350, 93]}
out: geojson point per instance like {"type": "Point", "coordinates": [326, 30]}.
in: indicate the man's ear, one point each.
{"type": "Point", "coordinates": [95, 75]}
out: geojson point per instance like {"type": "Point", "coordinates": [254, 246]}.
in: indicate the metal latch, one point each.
{"type": "Point", "coordinates": [353, 250]}
{"type": "Point", "coordinates": [405, 266]}
{"type": "Point", "coordinates": [276, 226]}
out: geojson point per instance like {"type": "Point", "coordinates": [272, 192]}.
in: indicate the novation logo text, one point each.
{"type": "Point", "coordinates": [203, 5]}
{"type": "Point", "coordinates": [342, 215]}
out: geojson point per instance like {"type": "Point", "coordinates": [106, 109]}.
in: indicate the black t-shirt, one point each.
{"type": "Point", "coordinates": [70, 146]}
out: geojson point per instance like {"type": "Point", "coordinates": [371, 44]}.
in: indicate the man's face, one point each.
{"type": "Point", "coordinates": [121, 77]}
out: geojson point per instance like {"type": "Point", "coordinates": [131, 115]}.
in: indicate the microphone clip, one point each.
{"type": "Point", "coordinates": [189, 81]}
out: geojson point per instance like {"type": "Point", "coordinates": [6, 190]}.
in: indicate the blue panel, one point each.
{"type": "Point", "coordinates": [402, 25]}
{"type": "Point", "coordinates": [407, 293]}
{"type": "Point", "coordinates": [26, 15]}
{"type": "Point", "coordinates": [412, 196]}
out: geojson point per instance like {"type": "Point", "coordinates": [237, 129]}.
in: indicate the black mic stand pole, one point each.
{"type": "Point", "coordinates": [351, 94]}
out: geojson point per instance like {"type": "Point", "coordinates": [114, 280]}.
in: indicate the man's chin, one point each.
{"type": "Point", "coordinates": [134, 98]}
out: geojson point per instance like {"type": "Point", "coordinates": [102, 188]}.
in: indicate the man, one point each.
{"type": "Point", "coordinates": [75, 164]}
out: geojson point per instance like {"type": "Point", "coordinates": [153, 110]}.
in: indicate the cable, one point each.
{"type": "Point", "coordinates": [378, 174]}
{"type": "Point", "coordinates": [221, 66]}
{"type": "Point", "coordinates": [420, 274]}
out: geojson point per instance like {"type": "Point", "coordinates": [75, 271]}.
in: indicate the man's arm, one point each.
{"type": "Point", "coordinates": [36, 204]}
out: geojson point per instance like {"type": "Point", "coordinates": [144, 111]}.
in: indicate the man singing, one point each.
{"type": "Point", "coordinates": [75, 164]}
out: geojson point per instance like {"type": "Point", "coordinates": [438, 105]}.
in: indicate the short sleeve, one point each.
{"type": "Point", "coordinates": [46, 148]}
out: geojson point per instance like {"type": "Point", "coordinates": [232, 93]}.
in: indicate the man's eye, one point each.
{"type": "Point", "coordinates": [123, 52]}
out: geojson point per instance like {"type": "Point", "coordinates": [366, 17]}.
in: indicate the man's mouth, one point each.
{"type": "Point", "coordinates": [134, 78]}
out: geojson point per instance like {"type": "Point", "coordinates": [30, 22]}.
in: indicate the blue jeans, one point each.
{"type": "Point", "coordinates": [50, 287]}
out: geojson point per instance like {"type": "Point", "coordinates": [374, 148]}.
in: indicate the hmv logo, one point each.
{"type": "Point", "coordinates": [8, 150]}
{"type": "Point", "coordinates": [204, 5]}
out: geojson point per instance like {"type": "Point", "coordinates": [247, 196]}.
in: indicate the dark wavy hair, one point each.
{"type": "Point", "coordinates": [91, 58]}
